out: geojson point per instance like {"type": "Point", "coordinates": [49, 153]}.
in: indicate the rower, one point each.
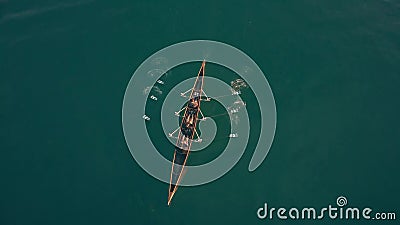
{"type": "Point", "coordinates": [193, 103]}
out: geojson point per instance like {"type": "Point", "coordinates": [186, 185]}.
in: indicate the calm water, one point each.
{"type": "Point", "coordinates": [333, 67]}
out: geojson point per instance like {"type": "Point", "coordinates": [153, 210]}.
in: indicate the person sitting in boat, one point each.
{"type": "Point", "coordinates": [193, 103]}
{"type": "Point", "coordinates": [187, 131]}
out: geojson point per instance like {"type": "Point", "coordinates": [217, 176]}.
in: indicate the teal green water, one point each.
{"type": "Point", "coordinates": [333, 67]}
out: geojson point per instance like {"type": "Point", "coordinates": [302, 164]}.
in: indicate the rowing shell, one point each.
{"type": "Point", "coordinates": [186, 134]}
